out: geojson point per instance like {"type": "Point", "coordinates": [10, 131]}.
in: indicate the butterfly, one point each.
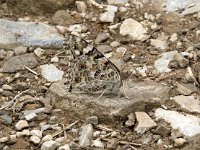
{"type": "Point", "coordinates": [89, 71]}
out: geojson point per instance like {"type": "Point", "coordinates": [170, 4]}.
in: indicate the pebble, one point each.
{"type": "Point", "coordinates": [102, 37]}
{"type": "Point", "coordinates": [21, 124]}
{"type": "Point", "coordinates": [31, 116]}
{"type": "Point", "coordinates": [4, 139]}
{"type": "Point", "coordinates": [179, 142]}
{"type": "Point", "coordinates": [7, 87]}
{"type": "Point", "coordinates": [104, 48]}
{"type": "Point", "coordinates": [174, 37]}
{"type": "Point", "coordinates": [64, 147]}
{"type": "Point", "coordinates": [50, 145]}
{"type": "Point", "coordinates": [92, 120]}
{"type": "Point", "coordinates": [55, 59]}
{"type": "Point", "coordinates": [86, 135]}
{"type": "Point", "coordinates": [46, 138]}
{"type": "Point", "coordinates": [7, 120]}
{"type": "Point", "coordinates": [112, 143]}
{"type": "Point", "coordinates": [2, 54]}
{"type": "Point", "coordinates": [35, 139]}
{"type": "Point", "coordinates": [182, 61]}
{"type": "Point", "coordinates": [20, 50]}
{"type": "Point", "coordinates": [13, 138]}
{"type": "Point", "coordinates": [97, 143]}
{"type": "Point", "coordinates": [162, 130]}
{"type": "Point", "coordinates": [81, 6]}
{"type": "Point", "coordinates": [121, 50]}
{"type": "Point", "coordinates": [107, 17]}
{"type": "Point", "coordinates": [51, 73]}
{"type": "Point", "coordinates": [60, 139]}
{"type": "Point", "coordinates": [96, 134]}
{"type": "Point", "coordinates": [133, 28]}
{"type": "Point", "coordinates": [115, 134]}
{"type": "Point", "coordinates": [159, 44]}
{"type": "Point", "coordinates": [78, 28]}
{"type": "Point", "coordinates": [38, 51]}
{"type": "Point", "coordinates": [114, 44]}
{"type": "Point", "coordinates": [37, 133]}
{"type": "Point", "coordinates": [131, 120]}
{"type": "Point", "coordinates": [144, 122]}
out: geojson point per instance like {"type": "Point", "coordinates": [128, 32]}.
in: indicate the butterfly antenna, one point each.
{"type": "Point", "coordinates": [123, 82]}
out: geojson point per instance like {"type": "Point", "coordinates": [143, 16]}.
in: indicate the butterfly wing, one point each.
{"type": "Point", "coordinates": [88, 69]}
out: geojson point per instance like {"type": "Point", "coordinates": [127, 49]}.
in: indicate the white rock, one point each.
{"type": "Point", "coordinates": [51, 73]}
{"type": "Point", "coordinates": [60, 139]}
{"type": "Point", "coordinates": [50, 145]}
{"type": "Point", "coordinates": [121, 50]}
{"type": "Point", "coordinates": [174, 37]}
{"type": "Point", "coordinates": [47, 138]}
{"type": "Point", "coordinates": [37, 133]}
{"type": "Point", "coordinates": [81, 6]}
{"type": "Point", "coordinates": [114, 44]}
{"type": "Point", "coordinates": [55, 59]}
{"type": "Point", "coordinates": [179, 142]}
{"type": "Point", "coordinates": [116, 2]}
{"type": "Point", "coordinates": [192, 10]}
{"type": "Point", "coordinates": [162, 63]}
{"type": "Point", "coordinates": [3, 139]}
{"type": "Point", "coordinates": [21, 124]}
{"type": "Point", "coordinates": [64, 147]}
{"type": "Point", "coordinates": [111, 8]}
{"type": "Point", "coordinates": [31, 116]}
{"type": "Point", "coordinates": [86, 135]}
{"type": "Point", "coordinates": [7, 87]}
{"type": "Point", "coordinates": [188, 125]}
{"type": "Point", "coordinates": [122, 9]}
{"type": "Point", "coordinates": [26, 132]}
{"type": "Point", "coordinates": [134, 29]}
{"type": "Point", "coordinates": [38, 52]}
{"type": "Point", "coordinates": [35, 139]}
{"type": "Point", "coordinates": [20, 50]}
{"type": "Point", "coordinates": [77, 28]}
{"type": "Point", "coordinates": [96, 134]}
{"type": "Point", "coordinates": [142, 70]}
{"type": "Point", "coordinates": [107, 17]}
{"type": "Point", "coordinates": [13, 138]}
{"type": "Point", "coordinates": [159, 44]}
{"type": "Point", "coordinates": [97, 143]}
{"type": "Point", "coordinates": [144, 122]}
{"type": "Point", "coordinates": [190, 103]}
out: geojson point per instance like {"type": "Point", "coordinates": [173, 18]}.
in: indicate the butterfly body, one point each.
{"type": "Point", "coordinates": [89, 71]}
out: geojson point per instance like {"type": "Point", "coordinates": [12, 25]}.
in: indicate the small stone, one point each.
{"type": "Point", "coordinates": [86, 135]}
{"type": "Point", "coordinates": [112, 143]}
{"type": "Point", "coordinates": [60, 139]}
{"type": "Point", "coordinates": [13, 138]}
{"type": "Point", "coordinates": [3, 139]}
{"type": "Point", "coordinates": [2, 54]}
{"type": "Point", "coordinates": [20, 50]}
{"type": "Point", "coordinates": [7, 87]}
{"type": "Point", "coordinates": [134, 29]}
{"type": "Point", "coordinates": [51, 73]}
{"type": "Point", "coordinates": [35, 139]}
{"type": "Point", "coordinates": [38, 52]}
{"type": "Point", "coordinates": [144, 124]}
{"type": "Point", "coordinates": [97, 143]}
{"type": "Point", "coordinates": [121, 50]}
{"type": "Point", "coordinates": [162, 130]}
{"type": "Point", "coordinates": [189, 103]}
{"type": "Point", "coordinates": [37, 133]}
{"type": "Point", "coordinates": [114, 44]}
{"type": "Point", "coordinates": [50, 145]}
{"type": "Point", "coordinates": [159, 44]}
{"type": "Point", "coordinates": [31, 116]}
{"type": "Point", "coordinates": [102, 37]}
{"type": "Point", "coordinates": [156, 137]}
{"type": "Point", "coordinates": [55, 59]}
{"type": "Point", "coordinates": [46, 138]}
{"type": "Point", "coordinates": [183, 62]}
{"type": "Point", "coordinates": [173, 38]}
{"type": "Point", "coordinates": [78, 28]}
{"type": "Point", "coordinates": [179, 142]}
{"type": "Point", "coordinates": [64, 147]}
{"type": "Point", "coordinates": [107, 17]}
{"type": "Point", "coordinates": [81, 6]}
{"type": "Point", "coordinates": [21, 124]}
{"type": "Point", "coordinates": [159, 142]}
{"type": "Point", "coordinates": [45, 127]}
{"type": "Point", "coordinates": [104, 48]}
{"type": "Point", "coordinates": [7, 120]}
{"type": "Point", "coordinates": [96, 134]}
{"type": "Point", "coordinates": [131, 120]}
{"type": "Point", "coordinates": [26, 132]}
{"type": "Point", "coordinates": [115, 134]}
{"type": "Point", "coordinates": [92, 120]}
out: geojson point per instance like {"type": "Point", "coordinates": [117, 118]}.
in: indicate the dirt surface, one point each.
{"type": "Point", "coordinates": [56, 14]}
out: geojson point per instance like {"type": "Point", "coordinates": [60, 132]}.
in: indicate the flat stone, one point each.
{"type": "Point", "coordinates": [86, 135]}
{"type": "Point", "coordinates": [189, 103]}
{"type": "Point", "coordinates": [192, 10]}
{"type": "Point", "coordinates": [102, 37]}
{"type": "Point", "coordinates": [133, 28]}
{"type": "Point", "coordinates": [50, 145]}
{"type": "Point", "coordinates": [186, 89]}
{"type": "Point", "coordinates": [144, 123]}
{"type": "Point", "coordinates": [162, 63]}
{"type": "Point", "coordinates": [21, 124]}
{"type": "Point", "coordinates": [51, 73]}
{"type": "Point", "coordinates": [109, 108]}
{"type": "Point", "coordinates": [104, 48]}
{"type": "Point", "coordinates": [32, 34]}
{"type": "Point", "coordinates": [20, 50]}
{"type": "Point", "coordinates": [35, 139]}
{"type": "Point", "coordinates": [187, 125]}
{"type": "Point", "coordinates": [16, 63]}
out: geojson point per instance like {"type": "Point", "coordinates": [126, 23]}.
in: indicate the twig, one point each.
{"type": "Point", "coordinates": [103, 128]}
{"type": "Point", "coordinates": [12, 103]}
{"type": "Point", "coordinates": [29, 69]}
{"type": "Point", "coordinates": [65, 129]}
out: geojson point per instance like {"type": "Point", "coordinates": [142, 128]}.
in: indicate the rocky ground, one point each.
{"type": "Point", "coordinates": [155, 44]}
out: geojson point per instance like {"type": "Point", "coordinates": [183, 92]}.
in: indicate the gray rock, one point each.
{"type": "Point", "coordinates": [86, 135]}
{"type": "Point", "coordinates": [50, 145]}
{"type": "Point", "coordinates": [92, 120]}
{"type": "Point", "coordinates": [114, 44]}
{"type": "Point", "coordinates": [51, 73]}
{"type": "Point", "coordinates": [2, 54]}
{"type": "Point", "coordinates": [6, 119]}
{"type": "Point", "coordinates": [111, 108]}
{"type": "Point", "coordinates": [20, 50]}
{"type": "Point", "coordinates": [35, 139]}
{"type": "Point", "coordinates": [31, 116]}
{"type": "Point", "coordinates": [189, 103]}
{"type": "Point", "coordinates": [37, 133]}
{"type": "Point", "coordinates": [144, 122]}
{"type": "Point", "coordinates": [29, 34]}
{"type": "Point", "coordinates": [134, 29]}
{"type": "Point", "coordinates": [21, 124]}
{"type": "Point", "coordinates": [104, 48]}
{"type": "Point", "coordinates": [16, 63]}
{"type": "Point", "coordinates": [81, 6]}
{"type": "Point", "coordinates": [46, 138]}
{"type": "Point", "coordinates": [162, 130]}
{"type": "Point", "coordinates": [36, 111]}
{"type": "Point", "coordinates": [102, 37]}
{"type": "Point", "coordinates": [187, 125]}
{"type": "Point", "coordinates": [186, 89]}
